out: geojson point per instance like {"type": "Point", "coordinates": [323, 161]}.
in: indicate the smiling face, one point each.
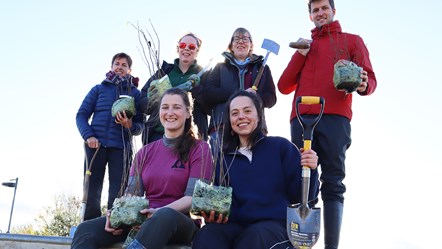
{"type": "Point", "coordinates": [187, 54]}
{"type": "Point", "coordinates": [173, 115]}
{"type": "Point", "coordinates": [121, 67]}
{"type": "Point", "coordinates": [243, 118]}
{"type": "Point", "coordinates": [321, 13]}
{"type": "Point", "coordinates": [241, 45]}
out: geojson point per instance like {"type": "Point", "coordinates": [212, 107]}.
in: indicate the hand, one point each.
{"type": "Point", "coordinates": [109, 228]}
{"type": "Point", "coordinates": [122, 119]}
{"type": "Point", "coordinates": [211, 218]}
{"type": "Point", "coordinates": [364, 84]}
{"type": "Point", "coordinates": [309, 158]}
{"type": "Point", "coordinates": [250, 90]}
{"type": "Point", "coordinates": [305, 50]}
{"type": "Point", "coordinates": [92, 142]}
{"type": "Point", "coordinates": [195, 79]}
{"type": "Point", "coordinates": [148, 211]}
{"type": "Point", "coordinates": [152, 92]}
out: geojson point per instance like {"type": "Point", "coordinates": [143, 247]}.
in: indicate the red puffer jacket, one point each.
{"type": "Point", "coordinates": [312, 75]}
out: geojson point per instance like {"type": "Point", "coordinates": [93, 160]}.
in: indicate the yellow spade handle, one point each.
{"type": "Point", "coordinates": [310, 100]}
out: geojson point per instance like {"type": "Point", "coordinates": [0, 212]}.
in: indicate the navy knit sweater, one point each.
{"type": "Point", "coordinates": [266, 185]}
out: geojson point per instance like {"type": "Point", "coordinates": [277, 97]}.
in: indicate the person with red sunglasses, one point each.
{"type": "Point", "coordinates": [184, 68]}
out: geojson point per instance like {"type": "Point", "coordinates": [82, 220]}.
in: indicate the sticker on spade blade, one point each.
{"type": "Point", "coordinates": [300, 238]}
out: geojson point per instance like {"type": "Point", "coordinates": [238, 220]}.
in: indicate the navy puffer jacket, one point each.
{"type": "Point", "coordinates": [98, 102]}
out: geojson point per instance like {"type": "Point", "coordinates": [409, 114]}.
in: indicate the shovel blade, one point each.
{"type": "Point", "coordinates": [303, 230]}
{"type": "Point", "coordinates": [270, 46]}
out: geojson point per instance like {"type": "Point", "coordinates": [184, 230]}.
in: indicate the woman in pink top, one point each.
{"type": "Point", "coordinates": [165, 172]}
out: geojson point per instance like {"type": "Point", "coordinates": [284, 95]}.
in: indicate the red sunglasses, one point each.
{"type": "Point", "coordinates": [183, 45]}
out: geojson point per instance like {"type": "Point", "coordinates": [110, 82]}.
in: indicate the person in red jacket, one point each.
{"type": "Point", "coordinates": [310, 73]}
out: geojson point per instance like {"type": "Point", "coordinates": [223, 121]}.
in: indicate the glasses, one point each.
{"type": "Point", "coordinates": [244, 39]}
{"type": "Point", "coordinates": [183, 45]}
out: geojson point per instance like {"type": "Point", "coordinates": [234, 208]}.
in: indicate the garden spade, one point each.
{"type": "Point", "coordinates": [304, 223]}
{"type": "Point", "coordinates": [271, 47]}
{"type": "Point", "coordinates": [86, 180]}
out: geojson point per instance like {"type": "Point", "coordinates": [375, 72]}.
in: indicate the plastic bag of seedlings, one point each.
{"type": "Point", "coordinates": [126, 211]}
{"type": "Point", "coordinates": [207, 197]}
{"type": "Point", "coordinates": [124, 103]}
{"type": "Point", "coordinates": [347, 76]}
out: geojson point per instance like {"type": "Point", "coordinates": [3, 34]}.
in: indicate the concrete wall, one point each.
{"type": "Point", "coordinates": [24, 241]}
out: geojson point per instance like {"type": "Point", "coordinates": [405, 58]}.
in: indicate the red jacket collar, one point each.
{"type": "Point", "coordinates": [333, 27]}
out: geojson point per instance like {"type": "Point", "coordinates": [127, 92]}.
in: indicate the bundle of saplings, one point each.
{"type": "Point", "coordinates": [124, 103]}
{"type": "Point", "coordinates": [347, 76]}
{"type": "Point", "coordinates": [208, 197]}
{"type": "Point", "coordinates": [126, 211]}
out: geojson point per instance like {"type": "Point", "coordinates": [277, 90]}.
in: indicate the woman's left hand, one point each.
{"type": "Point", "coordinates": [309, 158]}
{"type": "Point", "coordinates": [122, 119]}
{"type": "Point", "coordinates": [211, 218]}
{"type": "Point", "coordinates": [148, 211]}
{"type": "Point", "coordinates": [109, 228]}
{"type": "Point", "coordinates": [251, 90]}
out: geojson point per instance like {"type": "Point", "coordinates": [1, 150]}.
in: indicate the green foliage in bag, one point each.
{"type": "Point", "coordinates": [347, 76]}
{"type": "Point", "coordinates": [124, 103]}
{"type": "Point", "coordinates": [126, 211]}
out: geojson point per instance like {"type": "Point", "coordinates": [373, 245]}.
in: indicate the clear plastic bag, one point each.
{"type": "Point", "coordinates": [208, 197]}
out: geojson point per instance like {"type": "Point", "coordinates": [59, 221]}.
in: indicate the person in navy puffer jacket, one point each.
{"type": "Point", "coordinates": [109, 138]}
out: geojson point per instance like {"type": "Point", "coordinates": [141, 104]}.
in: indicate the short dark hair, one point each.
{"type": "Point", "coordinates": [230, 138]}
{"type": "Point", "coordinates": [122, 55]}
{"type": "Point", "coordinates": [331, 2]}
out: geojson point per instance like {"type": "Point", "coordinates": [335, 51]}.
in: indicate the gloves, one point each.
{"type": "Point", "coordinates": [195, 79]}
{"type": "Point", "coordinates": [192, 81]}
{"type": "Point", "coordinates": [152, 92]}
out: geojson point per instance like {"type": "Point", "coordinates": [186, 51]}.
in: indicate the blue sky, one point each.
{"type": "Point", "coordinates": [55, 51]}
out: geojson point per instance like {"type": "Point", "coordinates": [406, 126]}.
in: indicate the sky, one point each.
{"type": "Point", "coordinates": [54, 52]}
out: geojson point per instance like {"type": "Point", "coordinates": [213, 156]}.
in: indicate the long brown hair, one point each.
{"type": "Point", "coordinates": [188, 139]}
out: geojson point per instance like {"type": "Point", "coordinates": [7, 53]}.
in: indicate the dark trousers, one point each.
{"type": "Point", "coordinates": [331, 139]}
{"type": "Point", "coordinates": [166, 226]}
{"type": "Point", "coordinates": [90, 234]}
{"type": "Point", "coordinates": [260, 235]}
{"type": "Point", "coordinates": [118, 162]}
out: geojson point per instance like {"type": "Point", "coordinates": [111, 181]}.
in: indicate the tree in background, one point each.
{"type": "Point", "coordinates": [55, 220]}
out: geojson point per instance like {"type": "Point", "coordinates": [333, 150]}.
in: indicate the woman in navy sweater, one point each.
{"type": "Point", "coordinates": [265, 174]}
